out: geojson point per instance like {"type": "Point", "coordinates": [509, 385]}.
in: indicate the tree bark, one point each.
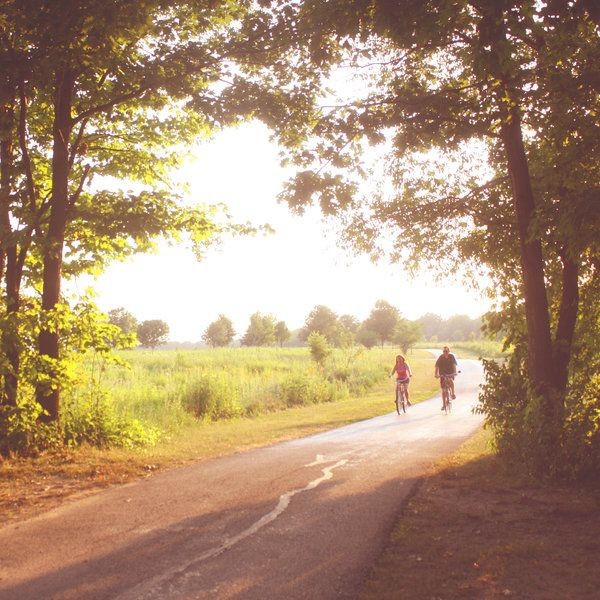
{"type": "Point", "coordinates": [532, 264]}
{"type": "Point", "coordinates": [493, 35]}
{"type": "Point", "coordinates": [567, 318]}
{"type": "Point", "coordinates": [10, 271]}
{"type": "Point", "coordinates": [48, 340]}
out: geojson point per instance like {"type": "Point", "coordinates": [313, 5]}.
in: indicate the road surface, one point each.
{"type": "Point", "coordinates": [300, 519]}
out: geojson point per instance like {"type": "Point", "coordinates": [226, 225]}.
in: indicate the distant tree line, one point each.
{"type": "Point", "coordinates": [384, 325]}
{"type": "Point", "coordinates": [457, 328]}
{"type": "Point", "coordinates": [149, 334]}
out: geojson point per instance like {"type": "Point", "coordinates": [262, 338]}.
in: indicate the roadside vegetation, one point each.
{"type": "Point", "coordinates": [170, 389]}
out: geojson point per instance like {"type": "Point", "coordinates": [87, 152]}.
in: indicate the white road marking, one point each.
{"type": "Point", "coordinates": [148, 588]}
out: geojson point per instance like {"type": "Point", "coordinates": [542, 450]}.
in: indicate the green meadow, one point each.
{"type": "Point", "coordinates": [171, 390]}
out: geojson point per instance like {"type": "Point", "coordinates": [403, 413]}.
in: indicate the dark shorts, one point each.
{"type": "Point", "coordinates": [443, 376]}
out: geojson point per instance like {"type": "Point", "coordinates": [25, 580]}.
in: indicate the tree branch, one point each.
{"type": "Point", "coordinates": [22, 128]}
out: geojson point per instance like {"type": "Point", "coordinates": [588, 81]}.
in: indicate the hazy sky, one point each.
{"type": "Point", "coordinates": [285, 274]}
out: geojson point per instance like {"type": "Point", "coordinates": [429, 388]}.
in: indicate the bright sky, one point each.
{"type": "Point", "coordinates": [285, 274]}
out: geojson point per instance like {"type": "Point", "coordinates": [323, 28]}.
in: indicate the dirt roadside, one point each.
{"type": "Point", "coordinates": [471, 531]}
{"type": "Point", "coordinates": [31, 486]}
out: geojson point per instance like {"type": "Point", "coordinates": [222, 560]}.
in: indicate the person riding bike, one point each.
{"type": "Point", "coordinates": [403, 374]}
{"type": "Point", "coordinates": [446, 368]}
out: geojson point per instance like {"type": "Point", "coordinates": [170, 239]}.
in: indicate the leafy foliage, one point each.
{"type": "Point", "coordinates": [406, 334]}
{"type": "Point", "coordinates": [319, 347]}
{"type": "Point", "coordinates": [282, 333]}
{"type": "Point", "coordinates": [383, 320]}
{"type": "Point", "coordinates": [123, 319]}
{"type": "Point", "coordinates": [260, 332]}
{"type": "Point", "coordinates": [114, 93]}
{"type": "Point", "coordinates": [219, 333]}
{"type": "Point", "coordinates": [213, 397]}
{"type": "Point", "coordinates": [152, 333]}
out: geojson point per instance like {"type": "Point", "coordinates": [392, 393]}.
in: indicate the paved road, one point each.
{"type": "Point", "coordinates": [301, 519]}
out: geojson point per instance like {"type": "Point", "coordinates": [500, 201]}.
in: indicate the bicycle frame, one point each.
{"type": "Point", "coordinates": [401, 396]}
{"type": "Point", "coordinates": [446, 397]}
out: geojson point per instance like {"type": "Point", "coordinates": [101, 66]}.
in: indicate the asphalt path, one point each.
{"type": "Point", "coordinates": [300, 519]}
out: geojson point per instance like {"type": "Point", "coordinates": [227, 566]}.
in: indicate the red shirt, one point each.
{"type": "Point", "coordinates": [401, 370]}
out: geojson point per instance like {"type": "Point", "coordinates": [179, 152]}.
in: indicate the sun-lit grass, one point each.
{"type": "Point", "coordinates": [158, 387]}
{"type": "Point", "coordinates": [469, 349]}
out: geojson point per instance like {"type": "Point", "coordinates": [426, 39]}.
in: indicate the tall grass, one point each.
{"type": "Point", "coordinates": [170, 389]}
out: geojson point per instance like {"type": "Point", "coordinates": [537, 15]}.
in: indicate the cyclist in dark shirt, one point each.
{"type": "Point", "coordinates": [446, 365]}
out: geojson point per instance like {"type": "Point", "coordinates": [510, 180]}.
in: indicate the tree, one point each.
{"type": "Point", "coordinates": [366, 337]}
{"type": "Point", "coordinates": [113, 91]}
{"type": "Point", "coordinates": [382, 320]}
{"type": "Point", "coordinates": [323, 320]}
{"type": "Point", "coordinates": [350, 322]}
{"type": "Point", "coordinates": [282, 333]}
{"type": "Point", "coordinates": [219, 333]}
{"type": "Point", "coordinates": [261, 331]}
{"type": "Point", "coordinates": [453, 80]}
{"type": "Point", "coordinates": [123, 319]}
{"type": "Point", "coordinates": [461, 327]}
{"type": "Point", "coordinates": [432, 325]}
{"type": "Point", "coordinates": [152, 333]}
{"type": "Point", "coordinates": [406, 334]}
{"type": "Point", "coordinates": [320, 350]}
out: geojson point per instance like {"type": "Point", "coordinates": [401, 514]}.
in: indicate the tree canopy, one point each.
{"type": "Point", "coordinates": [219, 333]}
{"type": "Point", "coordinates": [261, 331]}
{"type": "Point", "coordinates": [152, 333]}
{"type": "Point", "coordinates": [383, 320]}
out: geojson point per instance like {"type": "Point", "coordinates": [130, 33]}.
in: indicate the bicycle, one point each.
{"type": "Point", "coordinates": [446, 393]}
{"type": "Point", "coordinates": [401, 399]}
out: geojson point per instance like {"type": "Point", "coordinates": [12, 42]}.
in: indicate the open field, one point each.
{"type": "Point", "coordinates": [170, 388]}
{"type": "Point", "coordinates": [471, 349]}
{"type": "Point", "coordinates": [28, 486]}
{"type": "Point", "coordinates": [473, 531]}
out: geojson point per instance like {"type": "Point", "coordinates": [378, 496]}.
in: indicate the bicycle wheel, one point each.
{"type": "Point", "coordinates": [445, 399]}
{"type": "Point", "coordinates": [397, 400]}
{"type": "Point", "coordinates": [403, 398]}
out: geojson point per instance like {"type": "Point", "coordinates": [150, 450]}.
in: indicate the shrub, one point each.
{"type": "Point", "coordinates": [302, 390]}
{"type": "Point", "coordinates": [582, 430]}
{"type": "Point", "coordinates": [22, 433]}
{"type": "Point", "coordinates": [92, 419]}
{"type": "Point", "coordinates": [320, 349]}
{"type": "Point", "coordinates": [213, 397]}
{"type": "Point", "coordinates": [504, 401]}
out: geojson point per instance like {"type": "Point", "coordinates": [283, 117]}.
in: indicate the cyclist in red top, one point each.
{"type": "Point", "coordinates": [403, 374]}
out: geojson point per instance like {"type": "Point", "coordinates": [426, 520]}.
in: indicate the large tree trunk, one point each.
{"type": "Point", "coordinates": [540, 355]}
{"type": "Point", "coordinates": [54, 243]}
{"type": "Point", "coordinates": [10, 271]}
{"type": "Point", "coordinates": [532, 264]}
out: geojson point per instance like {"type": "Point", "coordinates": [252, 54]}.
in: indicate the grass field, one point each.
{"type": "Point", "coordinates": [170, 389]}
{"type": "Point", "coordinates": [472, 349]}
